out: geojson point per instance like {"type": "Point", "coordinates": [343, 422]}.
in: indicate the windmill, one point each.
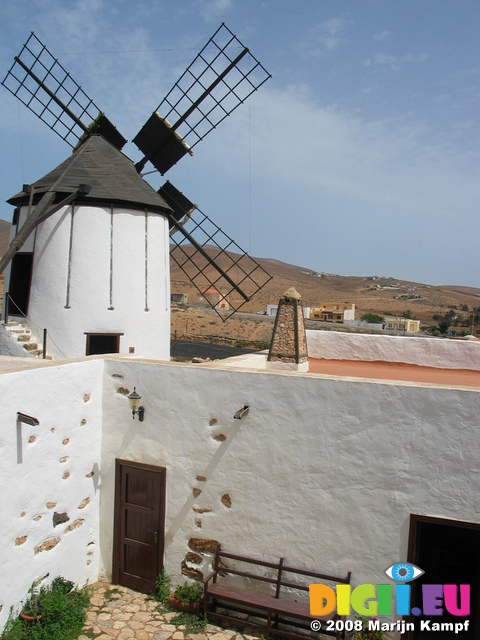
{"type": "Point", "coordinates": [220, 78]}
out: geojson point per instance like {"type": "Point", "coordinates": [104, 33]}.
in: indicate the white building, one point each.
{"type": "Point", "coordinates": [333, 473]}
{"type": "Point", "coordinates": [95, 273]}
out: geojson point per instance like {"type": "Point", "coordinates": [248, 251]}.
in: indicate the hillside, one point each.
{"type": "Point", "coordinates": [381, 295]}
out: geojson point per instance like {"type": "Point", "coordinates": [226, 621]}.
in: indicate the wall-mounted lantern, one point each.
{"type": "Point", "coordinates": [134, 400]}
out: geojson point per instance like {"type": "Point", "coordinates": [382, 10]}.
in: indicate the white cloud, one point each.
{"type": "Point", "coordinates": [384, 164]}
{"type": "Point", "coordinates": [326, 36]}
{"type": "Point", "coordinates": [212, 9]}
{"type": "Point", "coordinates": [395, 61]}
{"type": "Point", "coordinates": [382, 36]}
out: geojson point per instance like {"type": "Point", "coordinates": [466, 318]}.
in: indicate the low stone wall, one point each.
{"type": "Point", "coordinates": [427, 352]}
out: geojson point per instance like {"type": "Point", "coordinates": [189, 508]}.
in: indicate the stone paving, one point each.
{"type": "Point", "coordinates": [118, 612]}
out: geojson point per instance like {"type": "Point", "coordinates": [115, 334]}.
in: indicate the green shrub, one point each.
{"type": "Point", "coordinates": [163, 586]}
{"type": "Point", "coordinates": [62, 608]}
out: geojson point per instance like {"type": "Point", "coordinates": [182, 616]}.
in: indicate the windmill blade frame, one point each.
{"type": "Point", "coordinates": [222, 272]}
{"type": "Point", "coordinates": [220, 78]}
{"type": "Point", "coordinates": [45, 87]}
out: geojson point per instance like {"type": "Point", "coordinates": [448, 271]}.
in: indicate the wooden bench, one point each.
{"type": "Point", "coordinates": [279, 608]}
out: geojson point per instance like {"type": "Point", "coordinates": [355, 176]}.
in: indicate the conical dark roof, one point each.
{"type": "Point", "coordinates": [110, 174]}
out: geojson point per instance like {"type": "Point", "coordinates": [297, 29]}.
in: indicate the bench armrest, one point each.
{"type": "Point", "coordinates": [209, 577]}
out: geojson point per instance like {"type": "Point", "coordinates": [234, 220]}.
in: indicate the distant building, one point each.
{"type": "Point", "coordinates": [215, 298]}
{"type": "Point", "coordinates": [179, 298]}
{"type": "Point", "coordinates": [333, 312]}
{"type": "Point", "coordinates": [402, 324]}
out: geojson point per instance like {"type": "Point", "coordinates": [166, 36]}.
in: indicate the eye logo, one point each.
{"type": "Point", "coordinates": [403, 572]}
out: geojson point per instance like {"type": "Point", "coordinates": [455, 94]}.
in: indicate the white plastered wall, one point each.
{"type": "Point", "coordinates": [52, 468]}
{"type": "Point", "coordinates": [427, 352]}
{"type": "Point", "coordinates": [323, 472]}
{"type": "Point", "coordinates": [102, 274]}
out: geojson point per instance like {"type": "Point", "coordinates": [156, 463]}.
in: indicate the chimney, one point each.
{"type": "Point", "coordinates": [288, 349]}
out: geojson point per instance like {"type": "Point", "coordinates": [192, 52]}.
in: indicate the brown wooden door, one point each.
{"type": "Point", "coordinates": [138, 541]}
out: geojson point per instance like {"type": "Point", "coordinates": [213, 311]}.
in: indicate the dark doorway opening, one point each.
{"type": "Point", "coordinates": [139, 524]}
{"type": "Point", "coordinates": [449, 553]}
{"type": "Point", "coordinates": [20, 281]}
{"type": "Point", "coordinates": [98, 343]}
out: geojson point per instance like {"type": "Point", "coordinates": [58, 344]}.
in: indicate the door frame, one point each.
{"type": "Point", "coordinates": [413, 532]}
{"type": "Point", "coordinates": [162, 473]}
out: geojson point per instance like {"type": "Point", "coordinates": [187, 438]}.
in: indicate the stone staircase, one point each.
{"type": "Point", "coordinates": [20, 332]}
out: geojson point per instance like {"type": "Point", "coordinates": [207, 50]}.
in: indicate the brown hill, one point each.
{"type": "Point", "coordinates": [4, 236]}
{"type": "Point", "coordinates": [384, 296]}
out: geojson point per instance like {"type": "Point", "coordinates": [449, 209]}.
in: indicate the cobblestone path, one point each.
{"type": "Point", "coordinates": [118, 612]}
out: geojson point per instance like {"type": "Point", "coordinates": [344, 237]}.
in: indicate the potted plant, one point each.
{"type": "Point", "coordinates": [187, 597]}
{"type": "Point", "coordinates": [365, 633]}
{"type": "Point", "coordinates": [31, 610]}
{"type": "Point", "coordinates": [55, 611]}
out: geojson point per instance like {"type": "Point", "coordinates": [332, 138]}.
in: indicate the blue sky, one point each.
{"type": "Point", "coordinates": [360, 156]}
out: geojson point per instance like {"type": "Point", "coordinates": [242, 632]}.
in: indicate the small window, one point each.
{"type": "Point", "coordinates": [98, 343]}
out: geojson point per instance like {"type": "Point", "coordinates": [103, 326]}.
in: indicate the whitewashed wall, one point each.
{"type": "Point", "coordinates": [428, 352]}
{"type": "Point", "coordinates": [322, 472]}
{"type": "Point", "coordinates": [104, 284]}
{"type": "Point", "coordinates": [47, 471]}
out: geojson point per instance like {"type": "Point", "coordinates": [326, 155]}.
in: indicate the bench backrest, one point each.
{"type": "Point", "coordinates": [279, 567]}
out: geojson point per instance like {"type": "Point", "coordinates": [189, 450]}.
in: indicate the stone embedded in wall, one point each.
{"type": "Point", "coordinates": [201, 509]}
{"type": "Point", "coordinates": [89, 562]}
{"type": "Point", "coordinates": [84, 503]}
{"type": "Point", "coordinates": [66, 475]}
{"type": "Point", "coordinates": [213, 421]}
{"type": "Point", "coordinates": [75, 524]}
{"type": "Point", "coordinates": [83, 422]}
{"type": "Point", "coordinates": [63, 460]}
{"type": "Point", "coordinates": [198, 523]}
{"type": "Point", "coordinates": [23, 514]}
{"type": "Point", "coordinates": [195, 558]}
{"type": "Point", "coordinates": [32, 439]}
{"type": "Point", "coordinates": [65, 440]}
{"type": "Point", "coordinates": [37, 518]}
{"type": "Point", "coordinates": [20, 540]}
{"type": "Point", "coordinates": [86, 397]}
{"type": "Point", "coordinates": [220, 437]}
{"type": "Point", "coordinates": [191, 572]}
{"type": "Point", "coordinates": [118, 375]}
{"type": "Point", "coordinates": [47, 545]}
{"type": "Point", "coordinates": [196, 492]}
{"type": "Point", "coordinates": [203, 545]}
{"type": "Point", "coordinates": [201, 478]}
{"type": "Point", "coordinates": [123, 390]}
{"type": "Point", "coordinates": [51, 505]}
{"type": "Point", "coordinates": [226, 500]}
{"type": "Point", "coordinates": [52, 430]}
{"type": "Point", "coordinates": [59, 518]}
{"type": "Point", "coordinates": [90, 474]}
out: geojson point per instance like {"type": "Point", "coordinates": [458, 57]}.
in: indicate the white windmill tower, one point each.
{"type": "Point", "coordinates": [90, 249]}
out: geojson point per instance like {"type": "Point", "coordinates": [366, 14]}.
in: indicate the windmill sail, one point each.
{"type": "Point", "coordinates": [221, 77]}
{"type": "Point", "coordinates": [221, 271]}
{"type": "Point", "coordinates": [38, 80]}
